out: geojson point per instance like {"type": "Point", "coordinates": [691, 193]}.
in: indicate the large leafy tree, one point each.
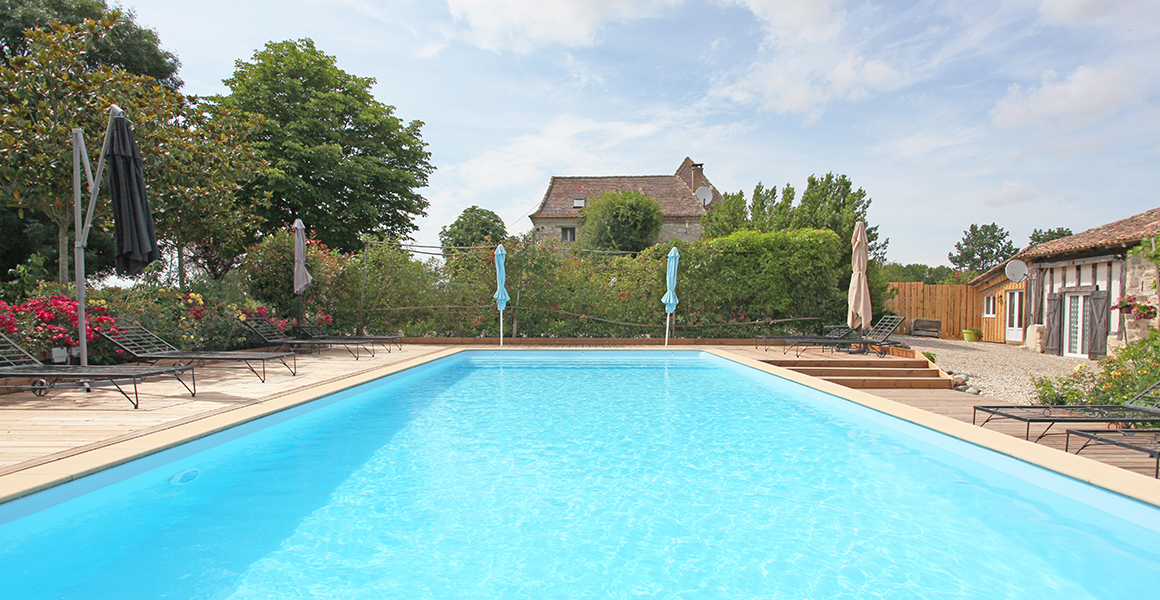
{"type": "Point", "coordinates": [982, 247]}
{"type": "Point", "coordinates": [192, 161]}
{"type": "Point", "coordinates": [127, 45]}
{"type": "Point", "coordinates": [340, 160]}
{"type": "Point", "coordinates": [49, 90]}
{"type": "Point", "coordinates": [626, 221]}
{"type": "Point", "coordinates": [196, 177]}
{"type": "Point", "coordinates": [474, 225]}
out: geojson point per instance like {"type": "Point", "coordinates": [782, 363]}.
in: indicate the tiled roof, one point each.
{"type": "Point", "coordinates": [1125, 231]}
{"type": "Point", "coordinates": [674, 193]}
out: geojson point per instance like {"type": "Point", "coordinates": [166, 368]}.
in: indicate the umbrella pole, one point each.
{"type": "Point", "coordinates": [78, 143]}
{"type": "Point", "coordinates": [667, 316]}
{"type": "Point", "coordinates": [501, 329]}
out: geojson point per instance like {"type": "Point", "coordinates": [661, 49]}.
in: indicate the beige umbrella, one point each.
{"type": "Point", "coordinates": [859, 313]}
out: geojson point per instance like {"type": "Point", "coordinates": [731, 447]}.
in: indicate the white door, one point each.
{"type": "Point", "coordinates": [1075, 324]}
{"type": "Point", "coordinates": [1015, 316]}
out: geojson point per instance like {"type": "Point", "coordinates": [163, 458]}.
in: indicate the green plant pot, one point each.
{"type": "Point", "coordinates": [970, 336]}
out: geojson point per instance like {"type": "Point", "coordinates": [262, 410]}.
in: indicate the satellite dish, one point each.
{"type": "Point", "coordinates": [705, 195]}
{"type": "Point", "coordinates": [1016, 271]}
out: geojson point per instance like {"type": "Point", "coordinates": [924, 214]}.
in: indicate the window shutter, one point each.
{"type": "Point", "coordinates": [1099, 309]}
{"type": "Point", "coordinates": [1053, 327]}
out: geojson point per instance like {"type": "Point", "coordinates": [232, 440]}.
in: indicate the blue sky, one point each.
{"type": "Point", "coordinates": [1029, 114]}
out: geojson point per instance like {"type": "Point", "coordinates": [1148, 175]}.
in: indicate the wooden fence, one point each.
{"type": "Point", "coordinates": [958, 307]}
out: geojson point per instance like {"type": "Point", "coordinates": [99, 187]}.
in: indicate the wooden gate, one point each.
{"type": "Point", "coordinates": [958, 307]}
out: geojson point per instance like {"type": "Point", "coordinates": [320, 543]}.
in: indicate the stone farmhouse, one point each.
{"type": "Point", "coordinates": [1076, 280]}
{"type": "Point", "coordinates": [559, 214]}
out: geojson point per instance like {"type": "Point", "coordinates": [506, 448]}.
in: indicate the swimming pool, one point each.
{"type": "Point", "coordinates": [580, 474]}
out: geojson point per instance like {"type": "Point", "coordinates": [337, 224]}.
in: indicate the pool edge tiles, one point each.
{"type": "Point", "coordinates": [1114, 479]}
{"type": "Point", "coordinates": [112, 453]}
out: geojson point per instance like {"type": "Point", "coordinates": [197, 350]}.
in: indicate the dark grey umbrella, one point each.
{"type": "Point", "coordinates": [136, 240]}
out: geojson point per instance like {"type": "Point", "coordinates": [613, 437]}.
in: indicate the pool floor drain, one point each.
{"type": "Point", "coordinates": [184, 477]}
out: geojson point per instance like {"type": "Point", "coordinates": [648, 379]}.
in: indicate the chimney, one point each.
{"type": "Point", "coordinates": [698, 170]}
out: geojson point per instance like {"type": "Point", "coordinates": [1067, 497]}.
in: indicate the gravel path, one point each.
{"type": "Point", "coordinates": [999, 371]}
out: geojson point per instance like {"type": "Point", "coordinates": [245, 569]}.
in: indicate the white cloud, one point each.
{"type": "Point", "coordinates": [1013, 192]}
{"type": "Point", "coordinates": [809, 58]}
{"type": "Point", "coordinates": [522, 25]}
{"type": "Point", "coordinates": [1081, 12]}
{"type": "Point", "coordinates": [1086, 96]}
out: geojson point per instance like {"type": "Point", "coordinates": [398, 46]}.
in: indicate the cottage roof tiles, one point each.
{"type": "Point", "coordinates": [674, 192]}
{"type": "Point", "coordinates": [1125, 231]}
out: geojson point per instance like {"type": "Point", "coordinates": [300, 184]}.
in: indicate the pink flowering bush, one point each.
{"type": "Point", "coordinates": [40, 323]}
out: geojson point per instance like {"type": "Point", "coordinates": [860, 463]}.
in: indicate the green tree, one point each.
{"type": "Point", "coordinates": [474, 226]}
{"type": "Point", "coordinates": [193, 155]}
{"type": "Point", "coordinates": [340, 160]}
{"type": "Point", "coordinates": [829, 202]}
{"type": "Point", "coordinates": [893, 271]}
{"type": "Point", "coordinates": [127, 45]}
{"type": "Point", "coordinates": [626, 221]}
{"type": "Point", "coordinates": [196, 181]}
{"type": "Point", "coordinates": [1038, 236]}
{"type": "Point", "coordinates": [982, 247]}
{"type": "Point", "coordinates": [48, 91]}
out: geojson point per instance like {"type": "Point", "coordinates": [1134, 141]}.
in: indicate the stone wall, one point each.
{"type": "Point", "coordinates": [1140, 282]}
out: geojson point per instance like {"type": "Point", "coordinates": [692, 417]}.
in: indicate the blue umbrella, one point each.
{"type": "Point", "coordinates": [501, 296]}
{"type": "Point", "coordinates": [670, 297]}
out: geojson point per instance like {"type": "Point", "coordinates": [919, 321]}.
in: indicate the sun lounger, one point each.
{"type": "Point", "coordinates": [270, 334]}
{"type": "Point", "coordinates": [877, 338]}
{"type": "Point", "coordinates": [143, 345]}
{"type": "Point", "coordinates": [15, 362]}
{"type": "Point", "coordinates": [831, 331]}
{"type": "Point", "coordinates": [315, 332]}
{"type": "Point", "coordinates": [1140, 440]}
{"type": "Point", "coordinates": [1142, 408]}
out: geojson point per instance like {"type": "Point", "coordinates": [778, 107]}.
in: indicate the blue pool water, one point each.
{"type": "Point", "coordinates": [579, 475]}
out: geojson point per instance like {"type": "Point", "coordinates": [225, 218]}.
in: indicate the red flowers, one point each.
{"type": "Point", "coordinates": [42, 323]}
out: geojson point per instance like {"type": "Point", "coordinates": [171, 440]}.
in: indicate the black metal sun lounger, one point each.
{"type": "Point", "coordinates": [877, 337]}
{"type": "Point", "coordinates": [15, 362]}
{"type": "Point", "coordinates": [832, 332]}
{"type": "Point", "coordinates": [1140, 440]}
{"type": "Point", "coordinates": [270, 334]}
{"type": "Point", "coordinates": [316, 333]}
{"type": "Point", "coordinates": [1142, 408]}
{"type": "Point", "coordinates": [145, 346]}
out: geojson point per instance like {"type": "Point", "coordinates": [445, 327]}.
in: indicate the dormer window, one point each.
{"type": "Point", "coordinates": [578, 202]}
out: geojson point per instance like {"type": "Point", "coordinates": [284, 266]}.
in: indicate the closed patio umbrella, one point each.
{"type": "Point", "coordinates": [501, 296]}
{"type": "Point", "coordinates": [136, 240]}
{"type": "Point", "coordinates": [858, 314]}
{"type": "Point", "coordinates": [670, 297]}
{"type": "Point", "coordinates": [134, 236]}
{"type": "Point", "coordinates": [302, 277]}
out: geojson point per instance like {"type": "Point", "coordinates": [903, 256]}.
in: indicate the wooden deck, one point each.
{"type": "Point", "coordinates": [39, 430]}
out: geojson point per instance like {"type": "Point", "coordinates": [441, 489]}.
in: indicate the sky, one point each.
{"type": "Point", "coordinates": [1027, 114]}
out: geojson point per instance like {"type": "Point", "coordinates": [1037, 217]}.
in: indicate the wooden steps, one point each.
{"type": "Point", "coordinates": [865, 372]}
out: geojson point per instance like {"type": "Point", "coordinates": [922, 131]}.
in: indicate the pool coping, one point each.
{"type": "Point", "coordinates": [43, 476]}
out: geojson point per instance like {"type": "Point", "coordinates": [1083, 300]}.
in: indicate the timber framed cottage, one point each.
{"type": "Point", "coordinates": [559, 214]}
{"type": "Point", "coordinates": [1075, 281]}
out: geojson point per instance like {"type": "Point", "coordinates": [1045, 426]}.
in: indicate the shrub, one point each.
{"type": "Point", "coordinates": [269, 274]}
{"type": "Point", "coordinates": [41, 323]}
{"type": "Point", "coordinates": [1118, 378]}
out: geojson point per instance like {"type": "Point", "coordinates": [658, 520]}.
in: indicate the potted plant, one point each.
{"type": "Point", "coordinates": [972, 334]}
